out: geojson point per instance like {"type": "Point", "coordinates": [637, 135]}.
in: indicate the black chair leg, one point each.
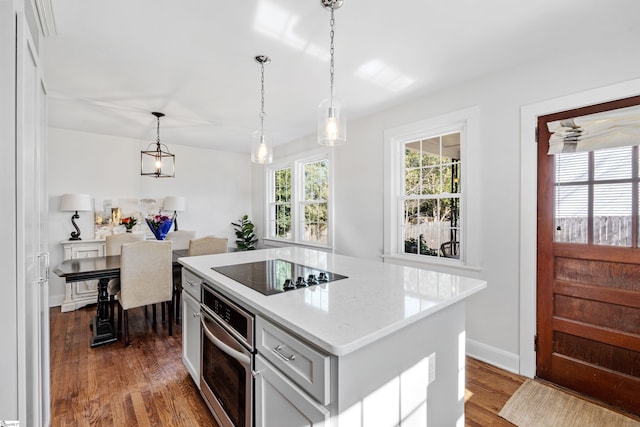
{"type": "Point", "coordinates": [112, 300]}
{"type": "Point", "coordinates": [170, 317]}
{"type": "Point", "coordinates": [119, 329]}
{"type": "Point", "coordinates": [176, 305]}
{"type": "Point", "coordinates": [126, 328]}
{"type": "Point", "coordinates": [153, 314]}
{"type": "Point", "coordinates": [164, 316]}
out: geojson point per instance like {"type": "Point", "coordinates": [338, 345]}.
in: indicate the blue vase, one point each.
{"type": "Point", "coordinates": [160, 232]}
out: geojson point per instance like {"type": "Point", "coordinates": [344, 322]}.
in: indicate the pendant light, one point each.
{"type": "Point", "coordinates": [261, 151]}
{"type": "Point", "coordinates": [157, 162]}
{"type": "Point", "coordinates": [332, 117]}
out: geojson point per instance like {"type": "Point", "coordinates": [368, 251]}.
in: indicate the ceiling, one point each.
{"type": "Point", "coordinates": [111, 63]}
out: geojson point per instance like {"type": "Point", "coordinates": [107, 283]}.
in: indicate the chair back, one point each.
{"type": "Point", "coordinates": [114, 243]}
{"type": "Point", "coordinates": [145, 273]}
{"type": "Point", "coordinates": [208, 245]}
{"type": "Point", "coordinates": [180, 239]}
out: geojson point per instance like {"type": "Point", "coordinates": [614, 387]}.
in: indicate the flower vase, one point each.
{"type": "Point", "coordinates": [160, 229]}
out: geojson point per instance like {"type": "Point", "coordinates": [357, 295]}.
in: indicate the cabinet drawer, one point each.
{"type": "Point", "coordinates": [304, 365]}
{"type": "Point", "coordinates": [191, 284]}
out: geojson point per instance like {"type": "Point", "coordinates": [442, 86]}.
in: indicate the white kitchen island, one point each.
{"type": "Point", "coordinates": [383, 347]}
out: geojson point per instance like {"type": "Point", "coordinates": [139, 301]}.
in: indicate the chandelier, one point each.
{"type": "Point", "coordinates": [156, 161]}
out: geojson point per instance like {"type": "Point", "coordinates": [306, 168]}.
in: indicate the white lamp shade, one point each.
{"type": "Point", "coordinates": [75, 202]}
{"type": "Point", "coordinates": [173, 203]}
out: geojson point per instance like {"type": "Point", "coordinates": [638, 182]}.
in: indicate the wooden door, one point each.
{"type": "Point", "coordinates": [588, 281]}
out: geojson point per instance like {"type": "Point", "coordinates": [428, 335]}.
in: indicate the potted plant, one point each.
{"type": "Point", "coordinates": [245, 239]}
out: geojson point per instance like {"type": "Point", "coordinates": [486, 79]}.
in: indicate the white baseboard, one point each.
{"type": "Point", "coordinates": [56, 300]}
{"type": "Point", "coordinates": [494, 356]}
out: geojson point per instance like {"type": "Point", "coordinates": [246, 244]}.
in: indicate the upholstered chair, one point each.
{"type": "Point", "coordinates": [208, 245]}
{"type": "Point", "coordinates": [180, 239]}
{"type": "Point", "coordinates": [113, 245]}
{"type": "Point", "coordinates": [145, 279]}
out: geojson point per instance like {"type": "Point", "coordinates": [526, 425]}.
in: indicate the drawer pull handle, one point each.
{"type": "Point", "coordinates": [278, 350]}
{"type": "Point", "coordinates": [196, 314]}
{"type": "Point", "coordinates": [190, 283]}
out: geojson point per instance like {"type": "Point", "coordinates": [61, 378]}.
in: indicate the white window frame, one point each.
{"type": "Point", "coordinates": [463, 121]}
{"type": "Point", "coordinates": [296, 163]}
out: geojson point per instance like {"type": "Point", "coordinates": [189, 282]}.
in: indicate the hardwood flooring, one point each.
{"type": "Point", "coordinates": [146, 384]}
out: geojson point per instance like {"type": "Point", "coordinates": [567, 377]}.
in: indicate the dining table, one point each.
{"type": "Point", "coordinates": [103, 269]}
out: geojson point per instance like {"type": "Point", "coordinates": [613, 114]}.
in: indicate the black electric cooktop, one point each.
{"type": "Point", "coordinates": [275, 276]}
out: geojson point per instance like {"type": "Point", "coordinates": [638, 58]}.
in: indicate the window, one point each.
{"type": "Point", "coordinates": [314, 200]}
{"type": "Point", "coordinates": [429, 186]}
{"type": "Point", "coordinates": [281, 206]}
{"type": "Point", "coordinates": [299, 201]}
{"type": "Point", "coordinates": [594, 201]}
{"type": "Point", "coordinates": [431, 196]}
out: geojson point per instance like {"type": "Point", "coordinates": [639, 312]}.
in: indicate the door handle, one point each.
{"type": "Point", "coordinates": [45, 278]}
{"type": "Point", "coordinates": [240, 357]}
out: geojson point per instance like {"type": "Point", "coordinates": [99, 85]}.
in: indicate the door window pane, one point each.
{"type": "Point", "coordinates": [572, 214]}
{"type": "Point", "coordinates": [572, 167]}
{"type": "Point", "coordinates": [612, 214]}
{"type": "Point", "coordinates": [593, 198]}
{"type": "Point", "coordinates": [614, 163]}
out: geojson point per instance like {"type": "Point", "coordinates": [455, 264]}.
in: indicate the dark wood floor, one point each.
{"type": "Point", "coordinates": [146, 384]}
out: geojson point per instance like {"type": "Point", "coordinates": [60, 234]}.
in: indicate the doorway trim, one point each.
{"type": "Point", "coordinates": [528, 202]}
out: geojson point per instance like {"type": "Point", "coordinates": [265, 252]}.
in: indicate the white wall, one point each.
{"type": "Point", "coordinates": [492, 315]}
{"type": "Point", "coordinates": [215, 184]}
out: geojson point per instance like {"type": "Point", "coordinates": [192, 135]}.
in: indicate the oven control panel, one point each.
{"type": "Point", "coordinates": [235, 318]}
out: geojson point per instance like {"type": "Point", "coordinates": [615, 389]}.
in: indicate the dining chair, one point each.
{"type": "Point", "coordinates": [145, 279]}
{"type": "Point", "coordinates": [180, 239]}
{"type": "Point", "coordinates": [202, 246]}
{"type": "Point", "coordinates": [113, 245]}
{"type": "Point", "coordinates": [208, 245]}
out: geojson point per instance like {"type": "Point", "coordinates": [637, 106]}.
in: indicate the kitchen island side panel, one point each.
{"type": "Point", "coordinates": [388, 381]}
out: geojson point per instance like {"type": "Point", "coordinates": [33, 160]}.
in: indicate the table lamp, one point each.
{"type": "Point", "coordinates": [75, 203]}
{"type": "Point", "coordinates": [175, 204]}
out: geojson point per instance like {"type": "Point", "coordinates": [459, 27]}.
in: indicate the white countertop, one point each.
{"type": "Point", "coordinates": [342, 316]}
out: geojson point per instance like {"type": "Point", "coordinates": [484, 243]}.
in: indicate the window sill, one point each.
{"type": "Point", "coordinates": [439, 264]}
{"type": "Point", "coordinates": [271, 242]}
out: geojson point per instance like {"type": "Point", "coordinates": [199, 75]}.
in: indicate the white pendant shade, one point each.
{"type": "Point", "coordinates": [332, 122]}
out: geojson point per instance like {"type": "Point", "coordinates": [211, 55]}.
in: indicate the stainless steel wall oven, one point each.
{"type": "Point", "coordinates": [227, 359]}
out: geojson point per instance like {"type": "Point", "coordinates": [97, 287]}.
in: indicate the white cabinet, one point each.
{"type": "Point", "coordinates": [292, 379]}
{"type": "Point", "coordinates": [279, 402]}
{"type": "Point", "coordinates": [191, 336]}
{"type": "Point", "coordinates": [80, 294]}
{"type": "Point", "coordinates": [304, 365]}
{"type": "Point", "coordinates": [191, 288]}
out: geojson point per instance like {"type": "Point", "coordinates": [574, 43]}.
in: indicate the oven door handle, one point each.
{"type": "Point", "coordinates": [239, 356]}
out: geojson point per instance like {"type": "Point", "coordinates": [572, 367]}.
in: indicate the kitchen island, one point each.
{"type": "Point", "coordinates": [384, 346]}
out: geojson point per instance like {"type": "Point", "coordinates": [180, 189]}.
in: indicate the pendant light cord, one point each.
{"type": "Point", "coordinates": [262, 113]}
